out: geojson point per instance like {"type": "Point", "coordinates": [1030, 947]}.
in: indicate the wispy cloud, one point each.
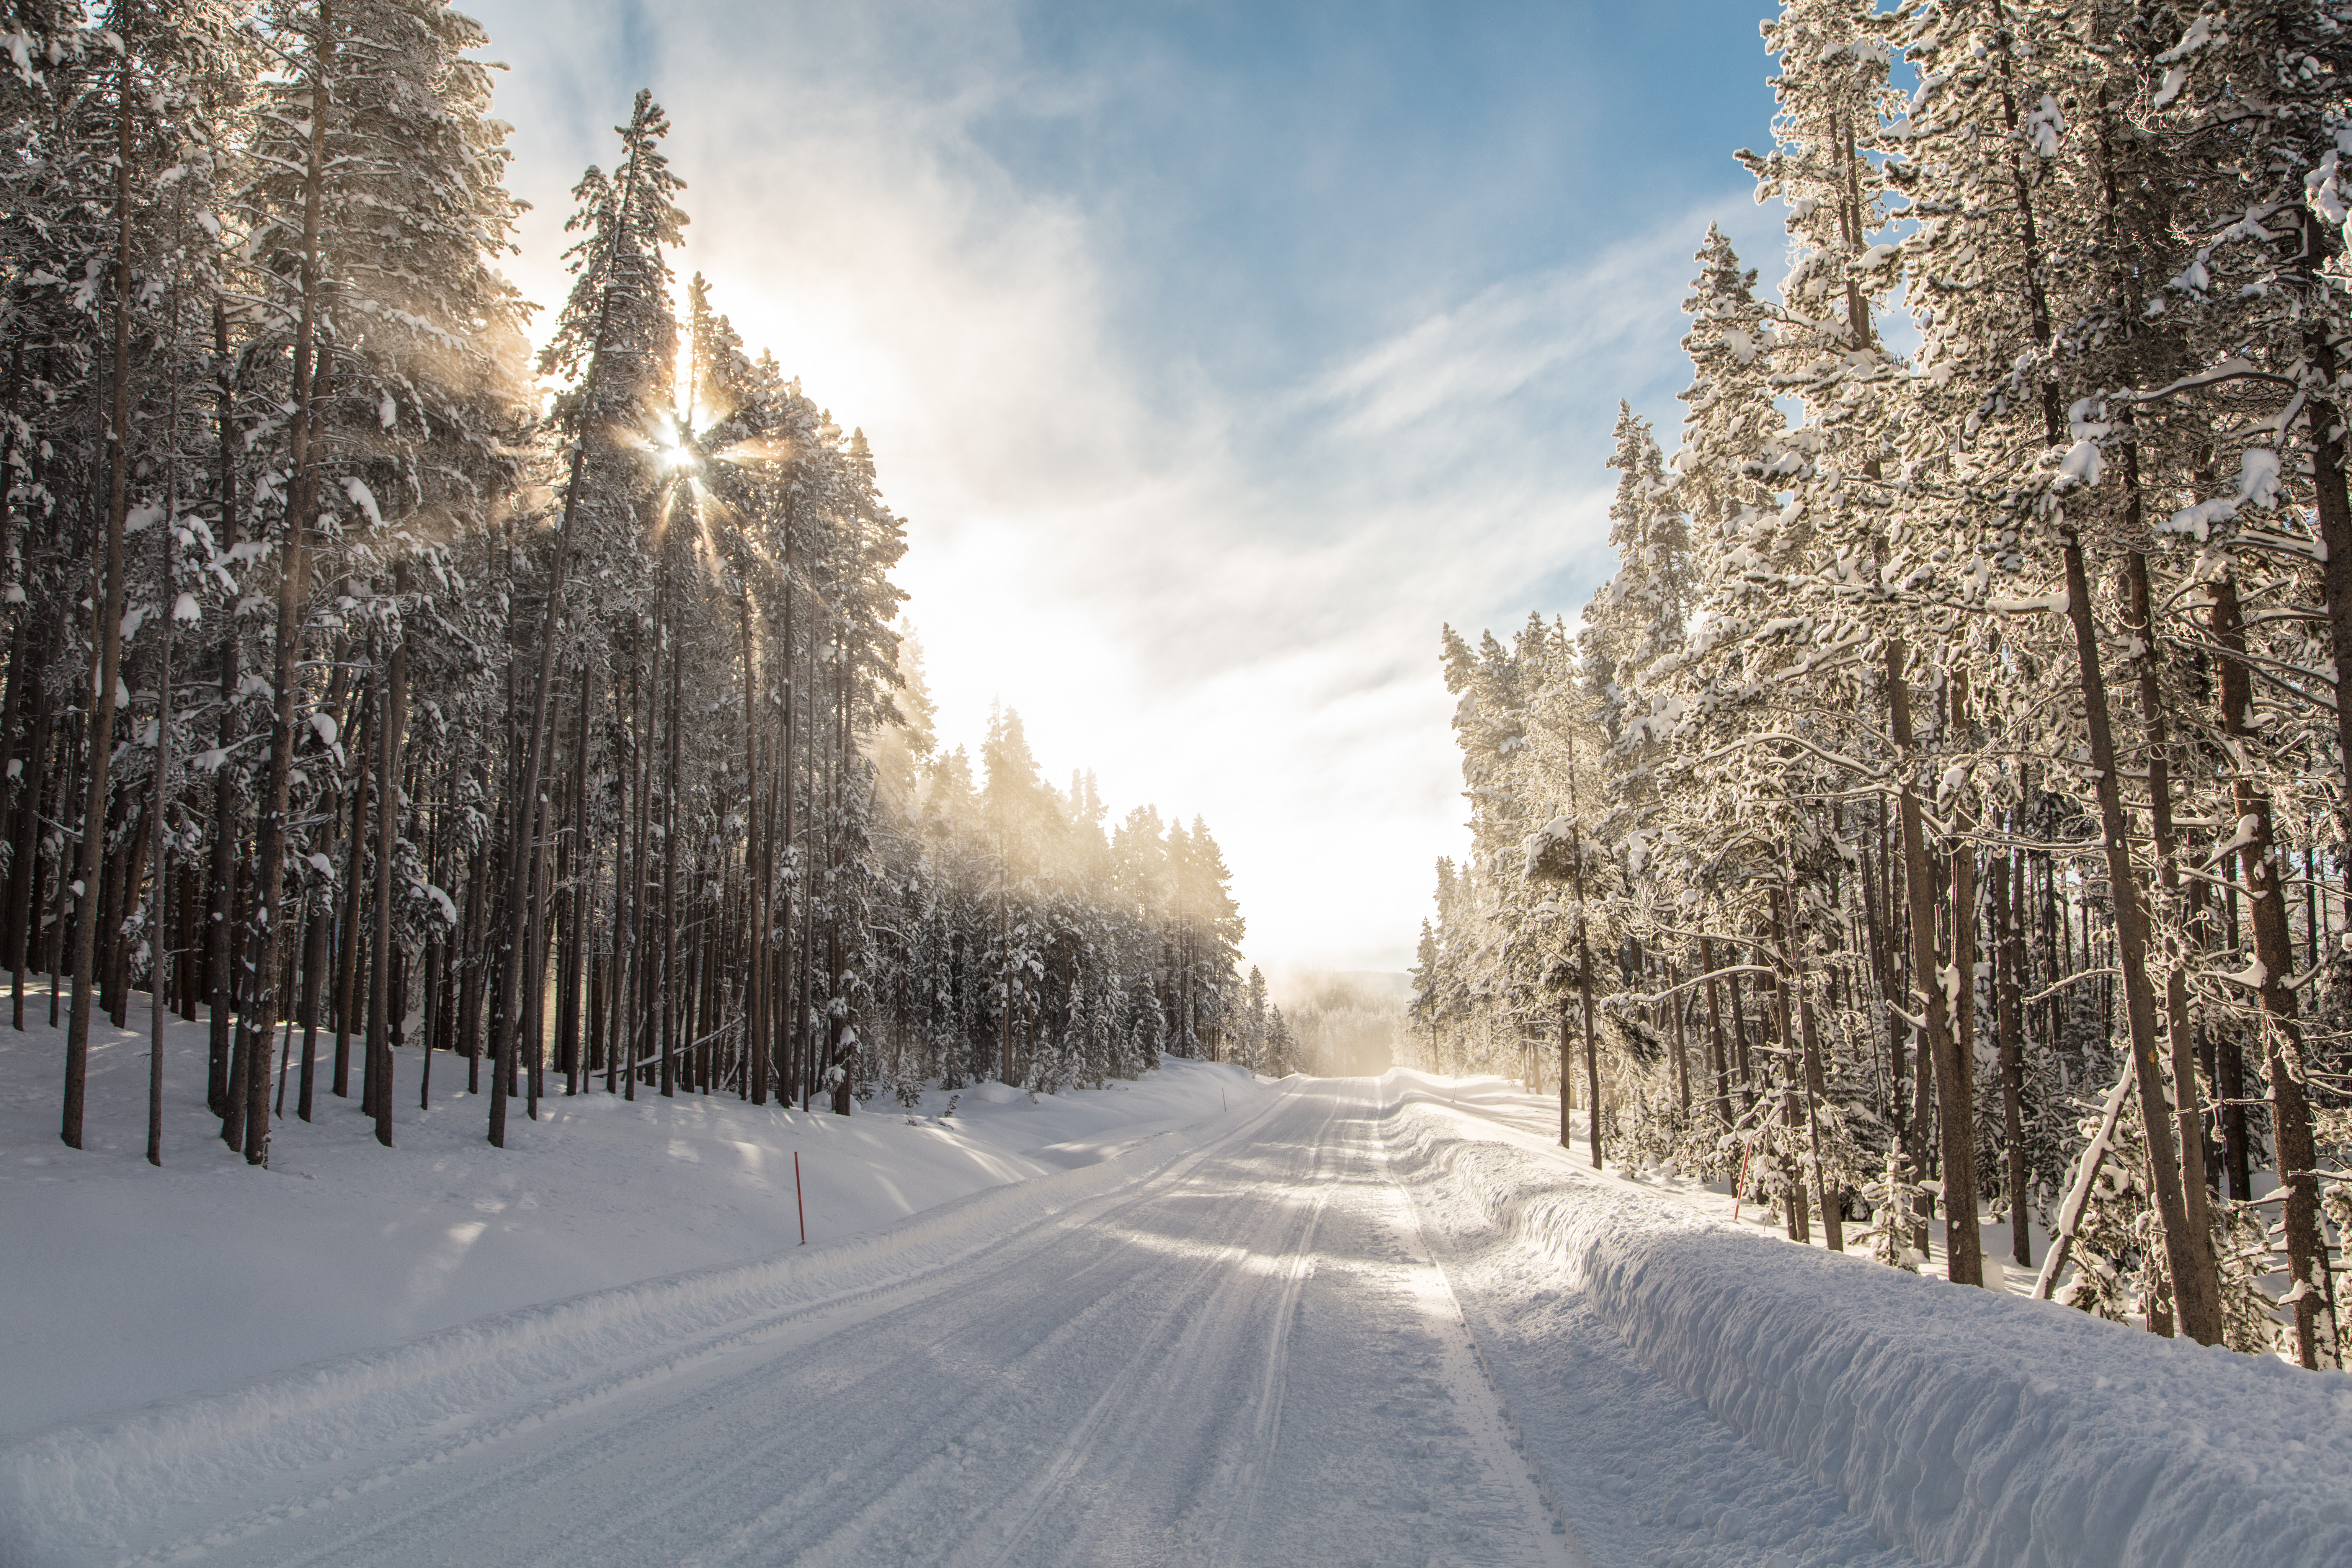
{"type": "Point", "coordinates": [1448, 376]}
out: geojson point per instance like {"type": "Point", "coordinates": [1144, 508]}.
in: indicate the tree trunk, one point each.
{"type": "Point", "coordinates": [2331, 500]}
{"type": "Point", "coordinates": [221, 913]}
{"type": "Point", "coordinates": [2193, 1277]}
{"type": "Point", "coordinates": [391, 720]}
{"type": "Point", "coordinates": [470, 974]}
{"type": "Point", "coordinates": [1591, 1045]}
{"type": "Point", "coordinates": [673, 997]}
{"type": "Point", "coordinates": [106, 636]}
{"type": "Point", "coordinates": [754, 878]}
{"type": "Point", "coordinates": [1962, 1262]}
{"type": "Point", "coordinates": [2009, 956]}
{"type": "Point", "coordinates": [158, 946]}
{"type": "Point", "coordinates": [1567, 1074]}
{"type": "Point", "coordinates": [56, 941]}
{"type": "Point", "coordinates": [1682, 1052]}
{"type": "Point", "coordinates": [1794, 1108]}
{"type": "Point", "coordinates": [269, 858]}
{"type": "Point", "coordinates": [1832, 1202]}
{"type": "Point", "coordinates": [349, 998]}
{"type": "Point", "coordinates": [2180, 1033]}
{"type": "Point", "coordinates": [1718, 1059]}
{"type": "Point", "coordinates": [2290, 1123]}
{"type": "Point", "coordinates": [583, 871]}
{"type": "Point", "coordinates": [1961, 904]}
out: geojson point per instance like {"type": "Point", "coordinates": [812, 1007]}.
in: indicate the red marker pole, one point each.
{"type": "Point", "coordinates": [799, 1202]}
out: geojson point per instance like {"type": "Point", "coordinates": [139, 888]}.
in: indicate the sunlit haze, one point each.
{"type": "Point", "coordinates": [1216, 354]}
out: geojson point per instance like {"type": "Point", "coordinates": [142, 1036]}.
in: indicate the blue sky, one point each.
{"type": "Point", "coordinates": [1216, 353]}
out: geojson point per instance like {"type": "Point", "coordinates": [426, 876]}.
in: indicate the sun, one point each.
{"type": "Point", "coordinates": [672, 451]}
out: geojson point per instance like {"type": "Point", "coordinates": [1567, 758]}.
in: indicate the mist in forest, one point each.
{"type": "Point", "coordinates": [1345, 1021]}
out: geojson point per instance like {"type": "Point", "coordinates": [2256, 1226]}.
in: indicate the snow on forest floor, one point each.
{"type": "Point", "coordinates": [125, 1284]}
{"type": "Point", "coordinates": [1532, 1122]}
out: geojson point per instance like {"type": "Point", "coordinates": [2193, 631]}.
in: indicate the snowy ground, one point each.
{"type": "Point", "coordinates": [124, 1284]}
{"type": "Point", "coordinates": [1317, 1321]}
{"type": "Point", "coordinates": [1532, 1122]}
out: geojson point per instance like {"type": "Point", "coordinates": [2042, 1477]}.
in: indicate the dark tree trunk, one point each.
{"type": "Point", "coordinates": [2179, 1035]}
{"type": "Point", "coordinates": [222, 911]}
{"type": "Point", "coordinates": [348, 997]}
{"type": "Point", "coordinates": [269, 857]}
{"type": "Point", "coordinates": [1567, 1075]}
{"type": "Point", "coordinates": [1963, 1263]}
{"type": "Point", "coordinates": [105, 636]}
{"type": "Point", "coordinates": [2291, 1121]}
{"type": "Point", "coordinates": [392, 720]}
{"type": "Point", "coordinates": [1718, 1060]}
{"type": "Point", "coordinates": [2009, 958]}
{"type": "Point", "coordinates": [1591, 1045]}
{"type": "Point", "coordinates": [2188, 1257]}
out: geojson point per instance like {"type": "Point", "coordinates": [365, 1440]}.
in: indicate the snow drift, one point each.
{"type": "Point", "coordinates": [1962, 1425]}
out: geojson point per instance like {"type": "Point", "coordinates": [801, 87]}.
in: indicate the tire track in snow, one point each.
{"type": "Point", "coordinates": [1467, 1373]}
{"type": "Point", "coordinates": [1169, 1312]}
{"type": "Point", "coordinates": [1136, 1379]}
{"type": "Point", "coordinates": [1223, 1271]}
{"type": "Point", "coordinates": [1229, 1412]}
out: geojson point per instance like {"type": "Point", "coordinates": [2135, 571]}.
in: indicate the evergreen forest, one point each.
{"type": "Point", "coordinates": [1941, 812]}
{"type": "Point", "coordinates": [401, 701]}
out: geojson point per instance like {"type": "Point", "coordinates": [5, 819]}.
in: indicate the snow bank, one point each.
{"type": "Point", "coordinates": [77, 1491]}
{"type": "Point", "coordinates": [1965, 1426]}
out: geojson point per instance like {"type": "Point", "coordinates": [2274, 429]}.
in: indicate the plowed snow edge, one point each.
{"type": "Point", "coordinates": [1963, 1426]}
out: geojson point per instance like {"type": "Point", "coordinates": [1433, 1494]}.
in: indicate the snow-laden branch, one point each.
{"type": "Point", "coordinates": [2227, 371]}
{"type": "Point", "coordinates": [2048, 992]}
{"type": "Point", "coordinates": [2070, 1215]}
{"type": "Point", "coordinates": [1781, 737]}
{"type": "Point", "coordinates": [1649, 999]}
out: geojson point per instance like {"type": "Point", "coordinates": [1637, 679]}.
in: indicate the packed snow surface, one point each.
{"type": "Point", "coordinates": [1363, 1322]}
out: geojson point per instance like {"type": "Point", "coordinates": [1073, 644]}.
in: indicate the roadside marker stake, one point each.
{"type": "Point", "coordinates": [799, 1202]}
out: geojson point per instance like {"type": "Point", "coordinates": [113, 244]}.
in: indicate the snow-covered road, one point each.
{"type": "Point", "coordinates": [1247, 1357]}
{"type": "Point", "coordinates": [1254, 1353]}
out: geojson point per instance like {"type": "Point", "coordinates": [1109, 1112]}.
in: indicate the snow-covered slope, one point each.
{"type": "Point", "coordinates": [125, 1284]}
